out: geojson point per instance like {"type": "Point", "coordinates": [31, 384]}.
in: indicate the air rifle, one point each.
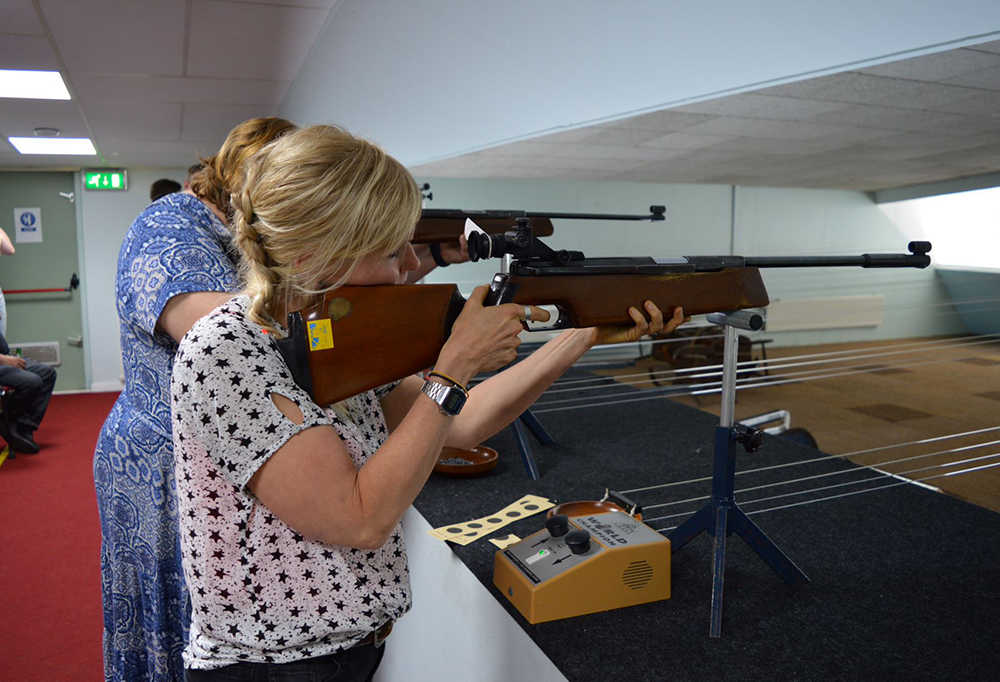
{"type": "Point", "coordinates": [357, 338]}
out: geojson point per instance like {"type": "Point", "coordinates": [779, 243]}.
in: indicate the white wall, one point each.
{"type": "Point", "coordinates": [105, 218]}
{"type": "Point", "coordinates": [701, 220]}
{"type": "Point", "coordinates": [435, 79]}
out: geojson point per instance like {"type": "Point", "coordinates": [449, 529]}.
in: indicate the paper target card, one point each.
{"type": "Point", "coordinates": [470, 531]}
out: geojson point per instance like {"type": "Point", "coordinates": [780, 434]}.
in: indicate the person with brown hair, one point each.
{"type": "Point", "coordinates": [162, 188]}
{"type": "Point", "coordinates": [290, 511]}
{"type": "Point", "coordinates": [175, 265]}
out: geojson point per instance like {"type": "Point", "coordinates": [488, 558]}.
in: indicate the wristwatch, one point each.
{"type": "Point", "coordinates": [450, 399]}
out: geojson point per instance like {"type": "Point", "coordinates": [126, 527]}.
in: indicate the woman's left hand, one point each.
{"type": "Point", "coordinates": [453, 252]}
{"type": "Point", "coordinates": [613, 333]}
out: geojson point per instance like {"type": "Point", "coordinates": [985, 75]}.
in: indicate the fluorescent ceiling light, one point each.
{"type": "Point", "coordinates": [32, 84]}
{"type": "Point", "coordinates": [53, 145]}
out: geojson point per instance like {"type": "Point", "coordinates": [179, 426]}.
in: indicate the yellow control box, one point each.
{"type": "Point", "coordinates": [584, 564]}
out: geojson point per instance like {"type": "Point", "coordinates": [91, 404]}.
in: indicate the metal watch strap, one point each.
{"type": "Point", "coordinates": [440, 394]}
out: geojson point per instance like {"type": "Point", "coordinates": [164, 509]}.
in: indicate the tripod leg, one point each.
{"type": "Point", "coordinates": [536, 428]}
{"type": "Point", "coordinates": [690, 529]}
{"type": "Point", "coordinates": [718, 568]}
{"type": "Point", "coordinates": [522, 445]}
{"type": "Point", "coordinates": [766, 549]}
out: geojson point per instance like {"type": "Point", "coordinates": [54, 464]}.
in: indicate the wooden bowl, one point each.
{"type": "Point", "coordinates": [588, 508]}
{"type": "Point", "coordinates": [459, 462]}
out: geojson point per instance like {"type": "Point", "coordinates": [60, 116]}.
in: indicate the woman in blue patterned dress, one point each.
{"type": "Point", "coordinates": [175, 265]}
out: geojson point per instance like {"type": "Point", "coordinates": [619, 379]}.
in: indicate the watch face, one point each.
{"type": "Point", "coordinates": [453, 401]}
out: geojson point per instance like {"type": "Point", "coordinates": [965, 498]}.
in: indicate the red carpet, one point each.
{"type": "Point", "coordinates": [50, 541]}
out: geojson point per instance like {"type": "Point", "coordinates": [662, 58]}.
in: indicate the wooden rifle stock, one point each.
{"type": "Point", "coordinates": [384, 333]}
{"type": "Point", "coordinates": [594, 300]}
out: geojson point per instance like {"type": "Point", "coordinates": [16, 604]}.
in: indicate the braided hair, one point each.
{"type": "Point", "coordinates": [312, 203]}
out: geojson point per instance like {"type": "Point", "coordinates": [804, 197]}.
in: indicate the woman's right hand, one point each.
{"type": "Point", "coordinates": [484, 338]}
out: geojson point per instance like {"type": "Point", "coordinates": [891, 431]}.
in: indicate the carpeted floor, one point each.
{"type": "Point", "coordinates": [50, 539]}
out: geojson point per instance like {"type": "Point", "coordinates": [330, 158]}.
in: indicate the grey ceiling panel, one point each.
{"type": "Point", "coordinates": [27, 52]}
{"type": "Point", "coordinates": [18, 17]}
{"type": "Point", "coordinates": [937, 67]}
{"type": "Point", "coordinates": [146, 38]}
{"type": "Point", "coordinates": [20, 117]}
{"type": "Point", "coordinates": [203, 122]}
{"type": "Point", "coordinates": [751, 105]}
{"type": "Point", "coordinates": [992, 46]}
{"type": "Point", "coordinates": [137, 121]}
{"type": "Point", "coordinates": [987, 79]}
{"type": "Point", "coordinates": [265, 41]}
{"type": "Point", "coordinates": [177, 89]}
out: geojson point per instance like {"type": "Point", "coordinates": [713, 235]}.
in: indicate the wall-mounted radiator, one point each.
{"type": "Point", "coordinates": [46, 352]}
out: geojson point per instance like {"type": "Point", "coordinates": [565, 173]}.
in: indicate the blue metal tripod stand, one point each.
{"type": "Point", "coordinates": [531, 421]}
{"type": "Point", "coordinates": [721, 516]}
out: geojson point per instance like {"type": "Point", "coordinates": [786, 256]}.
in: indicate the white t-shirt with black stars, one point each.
{"type": "Point", "coordinates": [259, 590]}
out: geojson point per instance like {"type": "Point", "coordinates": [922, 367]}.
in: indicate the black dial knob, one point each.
{"type": "Point", "coordinates": [578, 541]}
{"type": "Point", "coordinates": [557, 525]}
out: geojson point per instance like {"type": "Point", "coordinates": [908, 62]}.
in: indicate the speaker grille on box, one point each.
{"type": "Point", "coordinates": [637, 575]}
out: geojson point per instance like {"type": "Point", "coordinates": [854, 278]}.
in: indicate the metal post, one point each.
{"type": "Point", "coordinates": [729, 359]}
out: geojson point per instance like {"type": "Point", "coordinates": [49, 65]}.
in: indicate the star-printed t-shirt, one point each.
{"type": "Point", "coordinates": [260, 591]}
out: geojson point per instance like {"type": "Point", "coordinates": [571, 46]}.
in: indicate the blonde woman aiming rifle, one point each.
{"type": "Point", "coordinates": [290, 513]}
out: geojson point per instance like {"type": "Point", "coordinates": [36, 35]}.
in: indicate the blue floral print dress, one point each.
{"type": "Point", "coordinates": [175, 246]}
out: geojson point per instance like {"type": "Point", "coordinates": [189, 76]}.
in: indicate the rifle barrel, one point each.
{"type": "Point", "coordinates": [868, 260]}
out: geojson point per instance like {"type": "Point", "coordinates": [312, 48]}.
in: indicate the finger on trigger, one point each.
{"type": "Point", "coordinates": [539, 314]}
{"type": "Point", "coordinates": [479, 294]}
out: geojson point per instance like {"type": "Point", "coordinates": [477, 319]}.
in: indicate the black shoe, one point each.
{"type": "Point", "coordinates": [17, 441]}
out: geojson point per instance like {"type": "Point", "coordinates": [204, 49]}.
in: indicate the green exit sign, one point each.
{"type": "Point", "coordinates": [116, 180]}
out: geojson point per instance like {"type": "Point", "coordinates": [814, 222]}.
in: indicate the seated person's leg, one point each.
{"type": "Point", "coordinates": [39, 402]}
{"type": "Point", "coordinates": [26, 386]}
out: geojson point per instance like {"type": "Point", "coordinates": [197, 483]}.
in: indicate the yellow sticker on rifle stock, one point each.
{"type": "Point", "coordinates": [320, 335]}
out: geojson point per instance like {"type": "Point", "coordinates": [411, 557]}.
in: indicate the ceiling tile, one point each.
{"type": "Point", "coordinates": [667, 121]}
{"type": "Point", "coordinates": [843, 87]}
{"type": "Point", "coordinates": [752, 127]}
{"type": "Point", "coordinates": [750, 105]}
{"type": "Point", "coordinates": [169, 160]}
{"type": "Point", "coordinates": [118, 36]}
{"type": "Point", "coordinates": [927, 96]}
{"type": "Point", "coordinates": [213, 122]}
{"type": "Point", "coordinates": [27, 52]}
{"type": "Point", "coordinates": [325, 4]}
{"type": "Point", "coordinates": [992, 46]}
{"type": "Point", "coordinates": [270, 42]}
{"type": "Point", "coordinates": [178, 89]}
{"type": "Point", "coordinates": [987, 79]}
{"type": "Point", "coordinates": [625, 136]}
{"type": "Point", "coordinates": [20, 117]}
{"type": "Point", "coordinates": [936, 67]}
{"type": "Point", "coordinates": [134, 120]}
{"type": "Point", "coordinates": [888, 118]}
{"type": "Point", "coordinates": [686, 140]}
{"type": "Point", "coordinates": [983, 104]}
{"type": "Point", "coordinates": [18, 16]}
